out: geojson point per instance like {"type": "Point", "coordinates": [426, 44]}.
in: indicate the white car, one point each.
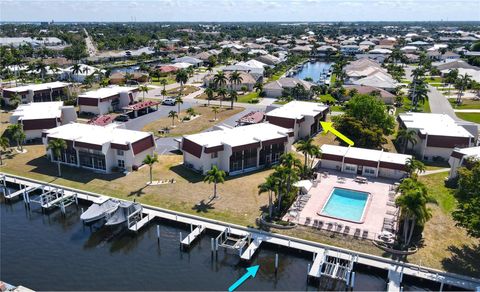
{"type": "Point", "coordinates": [169, 101]}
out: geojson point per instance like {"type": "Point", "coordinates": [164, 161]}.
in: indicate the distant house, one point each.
{"type": "Point", "coordinates": [190, 60]}
{"type": "Point", "coordinates": [302, 117]}
{"type": "Point", "coordinates": [120, 77]}
{"type": "Point", "coordinates": [437, 134]}
{"type": "Point", "coordinates": [456, 64]}
{"type": "Point", "coordinates": [236, 150]}
{"type": "Point", "coordinates": [37, 92]}
{"type": "Point", "coordinates": [365, 162]}
{"type": "Point", "coordinates": [450, 56]}
{"type": "Point", "coordinates": [39, 116]}
{"type": "Point", "coordinates": [387, 97]}
{"type": "Point", "coordinates": [79, 76]}
{"type": "Point", "coordinates": [247, 80]}
{"type": "Point", "coordinates": [256, 72]}
{"type": "Point", "coordinates": [459, 157]}
{"type": "Point", "coordinates": [105, 100]}
{"type": "Point", "coordinates": [379, 79]}
{"type": "Point", "coordinates": [350, 49]}
{"type": "Point", "coordinates": [275, 88]}
{"type": "Point", "coordinates": [268, 59]}
{"type": "Point", "coordinates": [100, 148]}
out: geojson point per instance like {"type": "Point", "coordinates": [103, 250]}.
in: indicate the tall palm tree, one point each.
{"type": "Point", "coordinates": [289, 166]}
{"type": "Point", "coordinates": [182, 78]}
{"type": "Point", "coordinates": [220, 79]}
{"type": "Point", "coordinates": [309, 150]}
{"type": "Point", "coordinates": [222, 93]}
{"type": "Point", "coordinates": [258, 87]}
{"type": "Point", "coordinates": [173, 115]}
{"type": "Point", "coordinates": [413, 210]}
{"type": "Point", "coordinates": [269, 185]}
{"type": "Point", "coordinates": [233, 97]}
{"type": "Point", "coordinates": [191, 111]}
{"type": "Point", "coordinates": [57, 146]}
{"type": "Point", "coordinates": [215, 112]}
{"type": "Point", "coordinates": [41, 68]}
{"type": "Point", "coordinates": [209, 92]}
{"type": "Point", "coordinates": [150, 161]}
{"type": "Point", "coordinates": [405, 137]}
{"type": "Point", "coordinates": [178, 102]}
{"type": "Point", "coordinates": [143, 89]}
{"type": "Point", "coordinates": [414, 167]}
{"type": "Point", "coordinates": [55, 69]}
{"type": "Point", "coordinates": [235, 79]}
{"type": "Point", "coordinates": [86, 70]}
{"type": "Point", "coordinates": [461, 84]}
{"type": "Point", "coordinates": [16, 132]}
{"type": "Point", "coordinates": [163, 82]}
{"type": "Point", "coordinates": [4, 144]}
{"type": "Point", "coordinates": [15, 100]}
{"type": "Point", "coordinates": [76, 69]}
{"type": "Point", "coordinates": [215, 176]}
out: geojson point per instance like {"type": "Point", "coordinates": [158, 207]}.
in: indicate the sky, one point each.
{"type": "Point", "coordinates": [240, 10]}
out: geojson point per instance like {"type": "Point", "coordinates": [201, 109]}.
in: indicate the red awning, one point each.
{"type": "Point", "coordinates": [141, 105]}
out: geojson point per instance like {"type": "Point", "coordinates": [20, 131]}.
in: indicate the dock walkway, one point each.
{"type": "Point", "coordinates": [251, 249]}
{"type": "Point", "coordinates": [461, 281]}
{"type": "Point", "coordinates": [187, 241]}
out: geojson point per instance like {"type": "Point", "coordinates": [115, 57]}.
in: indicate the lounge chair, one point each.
{"type": "Point", "coordinates": [308, 220]}
{"type": "Point", "coordinates": [339, 228]}
{"type": "Point", "coordinates": [365, 234]}
{"type": "Point", "coordinates": [315, 223]}
{"type": "Point", "coordinates": [346, 231]}
{"type": "Point", "coordinates": [391, 204]}
{"type": "Point", "coordinates": [320, 224]}
{"type": "Point", "coordinates": [357, 233]}
{"type": "Point", "coordinates": [329, 225]}
{"type": "Point", "coordinates": [392, 213]}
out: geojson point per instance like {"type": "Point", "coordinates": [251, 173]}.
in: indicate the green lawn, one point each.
{"type": "Point", "coordinates": [471, 117]}
{"type": "Point", "coordinates": [333, 78]}
{"type": "Point", "coordinates": [435, 79]}
{"type": "Point", "coordinates": [327, 98]}
{"type": "Point", "coordinates": [437, 189]}
{"type": "Point", "coordinates": [170, 80]}
{"type": "Point", "coordinates": [466, 104]}
{"type": "Point", "coordinates": [407, 106]}
{"type": "Point", "coordinates": [247, 97]}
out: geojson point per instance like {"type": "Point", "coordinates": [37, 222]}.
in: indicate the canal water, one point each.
{"type": "Point", "coordinates": [313, 70]}
{"type": "Point", "coordinates": [49, 251]}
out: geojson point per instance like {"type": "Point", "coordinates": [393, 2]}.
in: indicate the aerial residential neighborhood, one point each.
{"type": "Point", "coordinates": [334, 153]}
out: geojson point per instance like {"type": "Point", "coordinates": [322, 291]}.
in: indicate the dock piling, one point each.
{"type": "Point", "coordinates": [158, 233]}
{"type": "Point", "coordinates": [352, 281]}
{"type": "Point", "coordinates": [212, 244]}
{"type": "Point", "coordinates": [276, 263]}
{"type": "Point", "coordinates": [180, 236]}
{"type": "Point", "coordinates": [308, 270]}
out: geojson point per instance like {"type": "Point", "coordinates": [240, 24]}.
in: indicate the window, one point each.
{"type": "Point", "coordinates": [369, 171]}
{"type": "Point", "coordinates": [120, 152]}
{"type": "Point", "coordinates": [121, 163]}
{"type": "Point", "coordinates": [350, 168]}
{"type": "Point", "coordinates": [214, 155]}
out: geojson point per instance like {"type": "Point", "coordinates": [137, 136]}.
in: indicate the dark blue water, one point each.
{"type": "Point", "coordinates": [313, 70]}
{"type": "Point", "coordinates": [49, 251]}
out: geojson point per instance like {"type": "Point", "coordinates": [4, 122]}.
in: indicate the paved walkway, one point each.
{"type": "Point", "coordinates": [428, 172]}
{"type": "Point", "coordinates": [467, 111]}
{"type": "Point", "coordinates": [439, 104]}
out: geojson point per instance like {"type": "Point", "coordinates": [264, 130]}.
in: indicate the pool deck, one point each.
{"type": "Point", "coordinates": [375, 210]}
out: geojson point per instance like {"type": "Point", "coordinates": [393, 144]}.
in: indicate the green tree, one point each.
{"type": "Point", "coordinates": [215, 112]}
{"type": "Point", "coordinates": [182, 78]}
{"type": "Point", "coordinates": [178, 102]}
{"type": "Point", "coordinates": [14, 100]}
{"type": "Point", "coordinates": [462, 84]}
{"type": "Point", "coordinates": [163, 82]}
{"type": "Point", "coordinates": [16, 132]}
{"type": "Point", "coordinates": [191, 111]}
{"type": "Point", "coordinates": [173, 115]}
{"type": "Point", "coordinates": [4, 144]}
{"type": "Point", "coordinates": [289, 168]}
{"type": "Point", "coordinates": [143, 89]}
{"type": "Point", "coordinates": [235, 79]}
{"type": "Point", "coordinates": [233, 95]}
{"type": "Point", "coordinates": [268, 186]}
{"type": "Point", "coordinates": [220, 79]}
{"type": "Point", "coordinates": [215, 176]}
{"type": "Point", "coordinates": [222, 93]}
{"type": "Point", "coordinates": [150, 160]}
{"type": "Point", "coordinates": [209, 92]}
{"type": "Point", "coordinates": [258, 88]}
{"type": "Point", "coordinates": [414, 167]}
{"type": "Point", "coordinates": [405, 137]}
{"type": "Point", "coordinates": [371, 111]}
{"type": "Point", "coordinates": [56, 147]}
{"type": "Point", "coordinates": [309, 150]}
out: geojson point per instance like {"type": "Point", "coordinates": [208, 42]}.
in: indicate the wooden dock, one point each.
{"type": "Point", "coordinates": [19, 192]}
{"type": "Point", "coordinates": [394, 279]}
{"type": "Point", "coordinates": [316, 268]}
{"type": "Point", "coordinates": [251, 249]}
{"type": "Point", "coordinates": [461, 281]}
{"type": "Point", "coordinates": [187, 241]}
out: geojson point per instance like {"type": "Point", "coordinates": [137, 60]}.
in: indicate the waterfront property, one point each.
{"type": "Point", "coordinates": [100, 148]}
{"type": "Point", "coordinates": [36, 117]}
{"type": "Point", "coordinates": [236, 150]}
{"type": "Point", "coordinates": [437, 134]}
{"type": "Point", "coordinates": [385, 96]}
{"type": "Point", "coordinates": [300, 116]}
{"type": "Point", "coordinates": [247, 80]}
{"type": "Point", "coordinates": [37, 92]}
{"type": "Point", "coordinates": [459, 157]}
{"type": "Point", "coordinates": [105, 100]}
{"type": "Point", "coordinates": [366, 162]}
{"type": "Point", "coordinates": [275, 88]}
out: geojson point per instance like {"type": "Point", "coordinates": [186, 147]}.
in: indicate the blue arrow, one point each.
{"type": "Point", "coordinates": [252, 271]}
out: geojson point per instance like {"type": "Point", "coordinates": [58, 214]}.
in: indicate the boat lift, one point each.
{"type": "Point", "coordinates": [231, 241]}
{"type": "Point", "coordinates": [51, 197]}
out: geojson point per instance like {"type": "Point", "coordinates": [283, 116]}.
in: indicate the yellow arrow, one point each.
{"type": "Point", "coordinates": [327, 127]}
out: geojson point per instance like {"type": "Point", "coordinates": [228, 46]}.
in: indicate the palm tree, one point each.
{"type": "Point", "coordinates": [222, 93]}
{"type": "Point", "coordinates": [17, 134]}
{"type": "Point", "coordinates": [235, 79]}
{"type": "Point", "coordinates": [57, 146]}
{"type": "Point", "coordinates": [150, 161]}
{"type": "Point", "coordinates": [220, 79]}
{"type": "Point", "coordinates": [209, 92]}
{"type": "Point", "coordinates": [233, 97]}
{"type": "Point", "coordinates": [15, 100]}
{"type": "Point", "coordinates": [289, 166]}
{"type": "Point", "coordinates": [178, 102]}
{"type": "Point", "coordinates": [86, 70]}
{"type": "Point", "coordinates": [461, 84]}
{"type": "Point", "coordinates": [4, 144]}
{"type": "Point", "coordinates": [406, 136]}
{"type": "Point", "coordinates": [128, 76]}
{"type": "Point", "coordinates": [173, 115]}
{"type": "Point", "coordinates": [164, 83]}
{"type": "Point", "coordinates": [413, 210]}
{"type": "Point", "coordinates": [182, 78]}
{"type": "Point", "coordinates": [144, 89]}
{"type": "Point", "coordinates": [215, 112]}
{"type": "Point", "coordinates": [309, 150]}
{"type": "Point", "coordinates": [414, 167]}
{"type": "Point", "coordinates": [258, 87]}
{"type": "Point", "coordinates": [55, 69]}
{"type": "Point", "coordinates": [215, 176]}
{"type": "Point", "coordinates": [268, 186]}
{"type": "Point", "coordinates": [191, 111]}
{"type": "Point", "coordinates": [41, 68]}
{"type": "Point", "coordinates": [76, 68]}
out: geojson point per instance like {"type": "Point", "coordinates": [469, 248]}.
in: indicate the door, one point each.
{"type": "Point", "coordinates": [360, 169]}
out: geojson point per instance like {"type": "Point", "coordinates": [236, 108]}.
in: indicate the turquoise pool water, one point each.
{"type": "Point", "coordinates": [346, 204]}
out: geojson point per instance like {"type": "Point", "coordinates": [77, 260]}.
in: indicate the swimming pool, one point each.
{"type": "Point", "coordinates": [346, 204]}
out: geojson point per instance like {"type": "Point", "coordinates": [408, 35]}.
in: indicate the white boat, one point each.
{"type": "Point", "coordinates": [99, 211]}
{"type": "Point", "coordinates": [123, 211]}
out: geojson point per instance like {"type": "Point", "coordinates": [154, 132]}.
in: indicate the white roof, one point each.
{"type": "Point", "coordinates": [39, 110]}
{"type": "Point", "coordinates": [469, 152]}
{"type": "Point", "coordinates": [253, 64]}
{"type": "Point", "coordinates": [379, 79]}
{"type": "Point", "coordinates": [106, 92]}
{"type": "Point", "coordinates": [239, 135]}
{"type": "Point", "coordinates": [37, 87]}
{"type": "Point", "coordinates": [434, 124]}
{"type": "Point", "coordinates": [182, 65]}
{"type": "Point", "coordinates": [472, 73]}
{"type": "Point", "coordinates": [298, 109]}
{"type": "Point", "coordinates": [365, 154]}
{"type": "Point", "coordinates": [97, 135]}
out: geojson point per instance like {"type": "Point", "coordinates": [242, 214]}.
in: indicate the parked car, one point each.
{"type": "Point", "coordinates": [122, 118]}
{"type": "Point", "coordinates": [169, 101]}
